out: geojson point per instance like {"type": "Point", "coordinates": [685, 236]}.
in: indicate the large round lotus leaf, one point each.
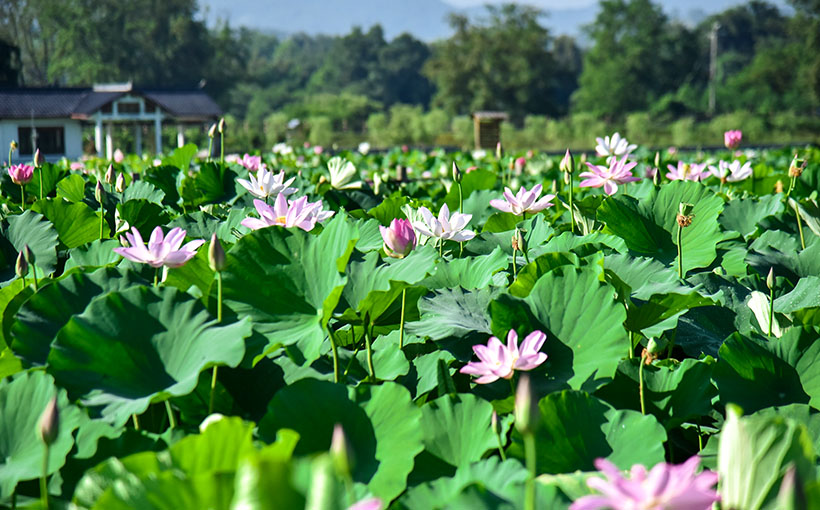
{"type": "Point", "coordinates": [583, 322]}
{"type": "Point", "coordinates": [141, 345]}
{"type": "Point", "coordinates": [32, 229]}
{"type": "Point", "coordinates": [576, 428]}
{"type": "Point", "coordinates": [76, 223]}
{"type": "Point", "coordinates": [42, 316]}
{"type": "Point", "coordinates": [383, 429]}
{"type": "Point", "coordinates": [457, 429]}
{"type": "Point", "coordinates": [22, 400]}
{"type": "Point", "coordinates": [289, 282]}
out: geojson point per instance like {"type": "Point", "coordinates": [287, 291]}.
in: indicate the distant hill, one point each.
{"type": "Point", "coordinates": [425, 19]}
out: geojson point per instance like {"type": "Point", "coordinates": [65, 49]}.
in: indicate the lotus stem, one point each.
{"type": "Point", "coordinates": [213, 390]}
{"type": "Point", "coordinates": [515, 269]}
{"type": "Point", "coordinates": [680, 252]}
{"type": "Point", "coordinates": [640, 382]}
{"type": "Point", "coordinates": [172, 421]}
{"type": "Point", "coordinates": [156, 277]}
{"type": "Point", "coordinates": [43, 479]}
{"type": "Point", "coordinates": [41, 183]}
{"type": "Point", "coordinates": [11, 150]}
{"type": "Point", "coordinates": [222, 147]}
{"type": "Point", "coordinates": [440, 247]}
{"type": "Point", "coordinates": [23, 199]}
{"type": "Point", "coordinates": [771, 310]}
{"type": "Point", "coordinates": [529, 452]}
{"type": "Point", "coordinates": [34, 277]}
{"type": "Point", "coordinates": [334, 350]}
{"type": "Point", "coordinates": [460, 199]}
{"type": "Point", "coordinates": [571, 210]}
{"type": "Point", "coordinates": [369, 346]}
{"type": "Point", "coordinates": [500, 446]}
{"type": "Point", "coordinates": [791, 186]}
{"type": "Point", "coordinates": [102, 220]}
{"type": "Point", "coordinates": [401, 319]}
{"type": "Point", "coordinates": [210, 148]}
{"type": "Point", "coordinates": [800, 227]}
{"type": "Point", "coordinates": [136, 421]}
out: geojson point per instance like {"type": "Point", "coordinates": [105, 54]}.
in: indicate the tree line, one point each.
{"type": "Point", "coordinates": [636, 59]}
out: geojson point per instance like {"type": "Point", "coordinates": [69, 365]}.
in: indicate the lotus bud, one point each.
{"type": "Point", "coordinates": [456, 173]}
{"type": "Point", "coordinates": [341, 452]}
{"type": "Point", "coordinates": [792, 495]}
{"type": "Point", "coordinates": [583, 160]}
{"type": "Point", "coordinates": [109, 175]}
{"type": "Point", "coordinates": [399, 238]}
{"type": "Point", "coordinates": [656, 346]}
{"type": "Point", "coordinates": [494, 423]}
{"type": "Point", "coordinates": [778, 186]}
{"type": "Point", "coordinates": [526, 411]}
{"type": "Point", "coordinates": [770, 281]}
{"type": "Point", "coordinates": [797, 166]}
{"type": "Point", "coordinates": [657, 159]}
{"type": "Point", "coordinates": [731, 139]}
{"type": "Point", "coordinates": [120, 185]}
{"type": "Point", "coordinates": [13, 146]}
{"type": "Point", "coordinates": [21, 268]}
{"type": "Point", "coordinates": [212, 131]}
{"type": "Point", "coordinates": [28, 255]}
{"type": "Point", "coordinates": [124, 242]}
{"type": "Point", "coordinates": [517, 241]}
{"type": "Point", "coordinates": [221, 126]}
{"type": "Point", "coordinates": [567, 163]}
{"type": "Point", "coordinates": [99, 192]}
{"type": "Point", "coordinates": [216, 255]}
{"type": "Point", "coordinates": [38, 159]}
{"type": "Point", "coordinates": [50, 422]}
{"type": "Point", "coordinates": [656, 177]}
{"type": "Point", "coordinates": [499, 152]}
{"type": "Point", "coordinates": [554, 186]}
{"type": "Point", "coordinates": [684, 217]}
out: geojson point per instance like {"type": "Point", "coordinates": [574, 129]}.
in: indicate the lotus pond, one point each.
{"type": "Point", "coordinates": [395, 330]}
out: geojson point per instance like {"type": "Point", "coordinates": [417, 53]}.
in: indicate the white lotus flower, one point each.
{"type": "Point", "coordinates": [614, 146]}
{"type": "Point", "coordinates": [364, 148]}
{"type": "Point", "coordinates": [732, 172]}
{"type": "Point", "coordinates": [445, 227]}
{"type": "Point", "coordinates": [759, 303]}
{"type": "Point", "coordinates": [266, 184]}
{"type": "Point", "coordinates": [341, 173]}
{"type": "Point", "coordinates": [282, 149]}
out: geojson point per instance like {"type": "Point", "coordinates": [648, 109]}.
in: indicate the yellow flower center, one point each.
{"type": "Point", "coordinates": [281, 219]}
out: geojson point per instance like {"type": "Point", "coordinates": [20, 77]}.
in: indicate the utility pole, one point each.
{"type": "Point", "coordinates": [713, 49]}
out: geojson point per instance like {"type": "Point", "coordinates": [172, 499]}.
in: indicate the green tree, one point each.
{"type": "Point", "coordinates": [501, 63]}
{"type": "Point", "coordinates": [635, 59]}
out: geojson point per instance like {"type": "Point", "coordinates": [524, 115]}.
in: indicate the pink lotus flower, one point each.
{"type": "Point", "coordinates": [162, 250]}
{"type": "Point", "coordinates": [77, 165]}
{"type": "Point", "coordinates": [687, 171]}
{"type": "Point", "coordinates": [298, 213]}
{"type": "Point", "coordinates": [118, 156]}
{"type": "Point", "coordinates": [445, 227]}
{"type": "Point", "coordinates": [399, 238]}
{"type": "Point", "coordinates": [523, 202]}
{"type": "Point", "coordinates": [367, 504]}
{"type": "Point", "coordinates": [731, 139]}
{"type": "Point", "coordinates": [619, 172]}
{"type": "Point", "coordinates": [21, 174]}
{"type": "Point", "coordinates": [318, 149]}
{"type": "Point", "coordinates": [651, 172]}
{"type": "Point", "coordinates": [252, 163]}
{"type": "Point", "coordinates": [665, 487]}
{"type": "Point", "coordinates": [267, 184]}
{"type": "Point", "coordinates": [500, 361]}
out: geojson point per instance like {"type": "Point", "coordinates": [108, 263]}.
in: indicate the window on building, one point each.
{"type": "Point", "coordinates": [50, 140]}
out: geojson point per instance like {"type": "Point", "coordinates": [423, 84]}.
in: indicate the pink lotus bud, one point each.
{"type": "Point", "coordinates": [118, 156]}
{"type": "Point", "coordinates": [520, 162]}
{"type": "Point", "coordinates": [50, 422]}
{"type": "Point", "coordinates": [731, 139]}
{"type": "Point", "coordinates": [21, 174]}
{"type": "Point", "coordinates": [109, 175]}
{"type": "Point", "coordinates": [405, 148]}
{"type": "Point", "coordinates": [526, 408]}
{"type": "Point", "coordinates": [216, 255]}
{"type": "Point", "coordinates": [120, 185]}
{"type": "Point", "coordinates": [567, 163]}
{"type": "Point", "coordinates": [38, 158]}
{"type": "Point", "coordinates": [341, 452]}
{"type": "Point", "coordinates": [499, 151]}
{"type": "Point", "coordinates": [399, 238]}
{"type": "Point", "coordinates": [21, 268]}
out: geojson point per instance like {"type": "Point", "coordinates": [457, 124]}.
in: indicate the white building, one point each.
{"type": "Point", "coordinates": [52, 119]}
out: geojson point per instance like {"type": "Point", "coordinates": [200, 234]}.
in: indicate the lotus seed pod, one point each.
{"type": "Point", "coordinates": [797, 166]}
{"type": "Point", "coordinates": [13, 145]}
{"type": "Point", "coordinates": [656, 345]}
{"type": "Point", "coordinates": [517, 241]}
{"type": "Point", "coordinates": [50, 422]}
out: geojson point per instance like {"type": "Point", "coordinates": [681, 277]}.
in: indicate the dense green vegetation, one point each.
{"type": "Point", "coordinates": [641, 73]}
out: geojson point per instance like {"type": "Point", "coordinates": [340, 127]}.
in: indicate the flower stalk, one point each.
{"type": "Point", "coordinates": [799, 226]}
{"type": "Point", "coordinates": [38, 163]}
{"type": "Point", "coordinates": [401, 318]}
{"type": "Point", "coordinates": [684, 219]}
{"type": "Point", "coordinates": [221, 128]}
{"type": "Point", "coordinates": [770, 283]}
{"type": "Point", "coordinates": [526, 420]}
{"type": "Point", "coordinates": [216, 261]}
{"type": "Point", "coordinates": [368, 344]}
{"type": "Point", "coordinates": [30, 259]}
{"type": "Point", "coordinates": [49, 430]}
